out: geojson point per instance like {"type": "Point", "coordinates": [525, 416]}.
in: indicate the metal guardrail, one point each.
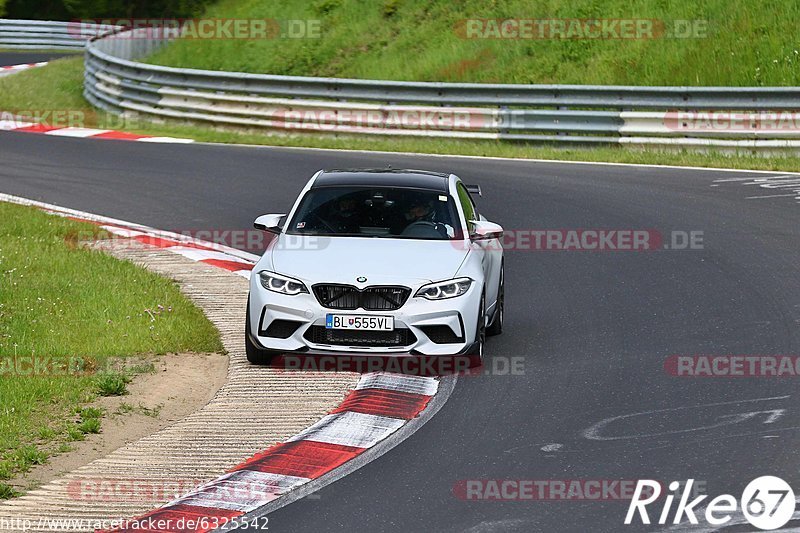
{"type": "Point", "coordinates": [51, 35]}
{"type": "Point", "coordinates": [118, 82]}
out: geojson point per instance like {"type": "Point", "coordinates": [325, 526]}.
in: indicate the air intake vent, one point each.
{"type": "Point", "coordinates": [374, 339]}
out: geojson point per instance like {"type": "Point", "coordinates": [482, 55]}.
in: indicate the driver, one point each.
{"type": "Point", "coordinates": [344, 218]}
{"type": "Point", "coordinates": [419, 210]}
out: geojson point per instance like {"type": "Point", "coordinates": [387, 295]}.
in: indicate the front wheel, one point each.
{"type": "Point", "coordinates": [480, 332]}
{"type": "Point", "coordinates": [496, 327]}
{"type": "Point", "coordinates": [255, 355]}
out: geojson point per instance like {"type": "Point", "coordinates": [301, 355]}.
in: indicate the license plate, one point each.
{"type": "Point", "coordinates": [363, 322]}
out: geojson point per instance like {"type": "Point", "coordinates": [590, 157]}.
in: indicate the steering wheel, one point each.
{"type": "Point", "coordinates": [324, 223]}
{"type": "Point", "coordinates": [424, 224]}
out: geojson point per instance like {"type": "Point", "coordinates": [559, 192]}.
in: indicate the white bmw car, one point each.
{"type": "Point", "coordinates": [377, 262]}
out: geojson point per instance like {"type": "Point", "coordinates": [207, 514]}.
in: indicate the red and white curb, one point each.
{"type": "Point", "coordinates": [9, 122]}
{"type": "Point", "coordinates": [217, 255]}
{"type": "Point", "coordinates": [380, 404]}
{"type": "Point", "coordinates": [24, 66]}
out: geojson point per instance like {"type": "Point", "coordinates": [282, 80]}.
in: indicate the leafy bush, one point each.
{"type": "Point", "coordinates": [90, 412]}
{"type": "Point", "coordinates": [90, 425]}
{"type": "Point", "coordinates": [30, 455]}
{"type": "Point", "coordinates": [94, 9]}
{"type": "Point", "coordinates": [7, 491]}
{"type": "Point", "coordinates": [112, 384]}
{"type": "Point", "coordinates": [73, 433]}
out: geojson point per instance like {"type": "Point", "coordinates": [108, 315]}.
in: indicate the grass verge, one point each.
{"type": "Point", "coordinates": [59, 87]}
{"type": "Point", "coordinates": [70, 318]}
{"type": "Point", "coordinates": [731, 42]}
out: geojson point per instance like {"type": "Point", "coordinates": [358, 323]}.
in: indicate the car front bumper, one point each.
{"type": "Point", "coordinates": [418, 315]}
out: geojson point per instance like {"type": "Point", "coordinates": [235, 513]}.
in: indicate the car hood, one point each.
{"type": "Point", "coordinates": [380, 260]}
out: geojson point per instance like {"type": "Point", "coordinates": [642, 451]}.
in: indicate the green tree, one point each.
{"type": "Point", "coordinates": [102, 9]}
{"type": "Point", "coordinates": [36, 9]}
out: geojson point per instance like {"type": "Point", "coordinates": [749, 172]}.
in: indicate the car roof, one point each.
{"type": "Point", "coordinates": [405, 178]}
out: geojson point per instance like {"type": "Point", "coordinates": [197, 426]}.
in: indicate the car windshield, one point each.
{"type": "Point", "coordinates": [376, 212]}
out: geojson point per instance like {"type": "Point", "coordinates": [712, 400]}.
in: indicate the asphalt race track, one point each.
{"type": "Point", "coordinates": [593, 328]}
{"type": "Point", "coordinates": [20, 57]}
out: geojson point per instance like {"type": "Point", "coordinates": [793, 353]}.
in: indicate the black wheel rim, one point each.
{"type": "Point", "coordinates": [501, 297]}
{"type": "Point", "coordinates": [482, 327]}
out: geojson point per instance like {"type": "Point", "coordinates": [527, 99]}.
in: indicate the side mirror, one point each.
{"type": "Point", "coordinates": [270, 223]}
{"type": "Point", "coordinates": [483, 230]}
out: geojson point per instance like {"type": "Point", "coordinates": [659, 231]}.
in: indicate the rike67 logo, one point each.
{"type": "Point", "coordinates": [767, 503]}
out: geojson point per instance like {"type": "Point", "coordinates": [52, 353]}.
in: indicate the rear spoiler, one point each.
{"type": "Point", "coordinates": [474, 189]}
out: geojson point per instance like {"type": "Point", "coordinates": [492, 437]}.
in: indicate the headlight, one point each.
{"type": "Point", "coordinates": [277, 283]}
{"type": "Point", "coordinates": [445, 289]}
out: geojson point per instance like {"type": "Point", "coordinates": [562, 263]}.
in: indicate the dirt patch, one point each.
{"type": "Point", "coordinates": [180, 385]}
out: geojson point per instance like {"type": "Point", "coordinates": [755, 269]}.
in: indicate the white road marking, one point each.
{"type": "Point", "coordinates": [595, 431]}
{"type": "Point", "coordinates": [243, 490]}
{"type": "Point", "coordinates": [781, 181]}
{"type": "Point", "coordinates": [75, 132]}
{"type": "Point", "coordinates": [724, 180]}
{"type": "Point", "coordinates": [767, 184]}
{"type": "Point", "coordinates": [772, 196]}
{"type": "Point", "coordinates": [728, 180]}
{"type": "Point", "coordinates": [401, 383]}
{"type": "Point", "coordinates": [172, 140]}
{"type": "Point", "coordinates": [552, 447]}
{"type": "Point", "coordinates": [12, 124]}
{"type": "Point", "coordinates": [196, 254]}
{"type": "Point", "coordinates": [349, 428]}
{"type": "Point", "coordinates": [494, 158]}
{"type": "Point", "coordinates": [122, 232]}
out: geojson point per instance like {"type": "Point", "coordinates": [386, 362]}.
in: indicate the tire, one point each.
{"type": "Point", "coordinates": [480, 332]}
{"type": "Point", "coordinates": [255, 355]}
{"type": "Point", "coordinates": [496, 327]}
